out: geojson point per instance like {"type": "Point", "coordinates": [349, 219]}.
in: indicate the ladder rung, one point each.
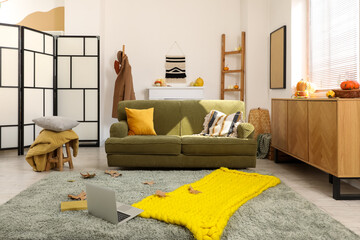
{"type": "Point", "coordinates": [232, 71]}
{"type": "Point", "coordinates": [232, 52]}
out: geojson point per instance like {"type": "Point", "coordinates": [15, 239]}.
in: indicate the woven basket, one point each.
{"type": "Point", "coordinates": [354, 93]}
{"type": "Point", "coordinates": [260, 118]}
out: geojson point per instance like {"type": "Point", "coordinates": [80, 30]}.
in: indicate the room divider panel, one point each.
{"type": "Point", "coordinates": [46, 75]}
{"type": "Point", "coordinates": [10, 82]}
{"type": "Point", "coordinates": [78, 83]}
{"type": "Point", "coordinates": [38, 85]}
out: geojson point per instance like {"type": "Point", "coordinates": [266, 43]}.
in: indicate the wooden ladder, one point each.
{"type": "Point", "coordinates": [241, 88]}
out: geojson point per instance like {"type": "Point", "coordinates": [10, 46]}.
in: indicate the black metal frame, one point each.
{"type": "Point", "coordinates": [335, 181]}
{"type": "Point", "coordinates": [284, 71]}
{"type": "Point", "coordinates": [19, 133]}
{"type": "Point", "coordinates": [21, 124]}
{"type": "Point", "coordinates": [85, 142]}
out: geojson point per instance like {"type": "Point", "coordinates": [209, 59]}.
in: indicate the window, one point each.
{"type": "Point", "coordinates": [333, 42]}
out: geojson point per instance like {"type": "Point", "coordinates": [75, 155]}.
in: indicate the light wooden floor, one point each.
{"type": "Point", "coordinates": [16, 175]}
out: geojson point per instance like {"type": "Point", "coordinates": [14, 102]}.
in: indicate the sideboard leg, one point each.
{"type": "Point", "coordinates": [276, 155]}
{"type": "Point", "coordinates": [337, 194]}
{"type": "Point", "coordinates": [336, 188]}
{"type": "Point", "coordinates": [331, 178]}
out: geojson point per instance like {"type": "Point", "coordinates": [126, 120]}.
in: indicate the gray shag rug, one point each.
{"type": "Point", "coordinates": [277, 213]}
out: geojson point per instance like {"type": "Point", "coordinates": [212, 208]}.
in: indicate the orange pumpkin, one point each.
{"type": "Point", "coordinates": [356, 84]}
{"type": "Point", "coordinates": [302, 86]}
{"type": "Point", "coordinates": [347, 85]}
{"type": "Point", "coordinates": [301, 94]}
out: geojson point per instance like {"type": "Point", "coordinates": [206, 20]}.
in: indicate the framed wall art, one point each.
{"type": "Point", "coordinates": [278, 58]}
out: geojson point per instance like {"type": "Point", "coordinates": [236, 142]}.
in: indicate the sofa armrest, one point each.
{"type": "Point", "coordinates": [119, 129]}
{"type": "Point", "coordinates": [245, 130]}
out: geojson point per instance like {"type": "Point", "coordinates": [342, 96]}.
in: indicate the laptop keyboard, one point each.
{"type": "Point", "coordinates": [122, 216]}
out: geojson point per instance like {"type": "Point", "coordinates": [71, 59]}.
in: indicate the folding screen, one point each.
{"type": "Point", "coordinates": [43, 77]}
{"type": "Point", "coordinates": [38, 75]}
{"type": "Point", "coordinates": [78, 84]}
{"type": "Point", "coordinates": [10, 82]}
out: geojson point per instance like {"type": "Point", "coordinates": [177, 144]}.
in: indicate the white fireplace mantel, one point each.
{"type": "Point", "coordinates": [176, 93]}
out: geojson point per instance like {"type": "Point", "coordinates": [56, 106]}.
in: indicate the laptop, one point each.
{"type": "Point", "coordinates": [102, 203]}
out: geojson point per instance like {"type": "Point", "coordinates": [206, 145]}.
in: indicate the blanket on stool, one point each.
{"type": "Point", "coordinates": [48, 141]}
{"type": "Point", "coordinates": [207, 213]}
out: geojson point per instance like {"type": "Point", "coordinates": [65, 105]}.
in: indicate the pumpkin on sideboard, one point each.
{"type": "Point", "coordinates": [304, 89]}
{"type": "Point", "coordinates": [302, 86]}
{"type": "Point", "coordinates": [349, 84]}
{"type": "Point", "coordinates": [357, 85]}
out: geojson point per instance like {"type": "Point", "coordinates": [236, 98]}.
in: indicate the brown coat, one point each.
{"type": "Point", "coordinates": [124, 89]}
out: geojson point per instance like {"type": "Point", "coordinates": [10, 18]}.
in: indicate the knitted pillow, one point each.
{"type": "Point", "coordinates": [219, 124]}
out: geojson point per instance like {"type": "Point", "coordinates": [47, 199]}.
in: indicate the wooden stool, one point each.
{"type": "Point", "coordinates": [58, 158]}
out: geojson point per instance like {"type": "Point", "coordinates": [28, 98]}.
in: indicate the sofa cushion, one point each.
{"type": "Point", "coordinates": [193, 112]}
{"type": "Point", "coordinates": [140, 145]}
{"type": "Point", "coordinates": [167, 116]}
{"type": "Point", "coordinates": [217, 146]}
{"type": "Point", "coordinates": [140, 121]}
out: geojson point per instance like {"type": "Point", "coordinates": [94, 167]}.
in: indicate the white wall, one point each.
{"type": "Point", "coordinates": [15, 11]}
{"type": "Point", "coordinates": [280, 15]}
{"type": "Point", "coordinates": [255, 18]}
{"type": "Point", "coordinates": [259, 18]}
{"type": "Point", "coordinates": [148, 29]}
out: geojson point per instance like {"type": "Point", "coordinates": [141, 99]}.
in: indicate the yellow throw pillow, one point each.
{"type": "Point", "coordinates": [140, 121]}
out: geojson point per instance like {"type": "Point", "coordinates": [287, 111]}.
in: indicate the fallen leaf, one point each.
{"type": "Point", "coordinates": [160, 193]}
{"type": "Point", "coordinates": [193, 191]}
{"type": "Point", "coordinates": [80, 196]}
{"type": "Point", "coordinates": [149, 182]}
{"type": "Point", "coordinates": [71, 180]}
{"type": "Point", "coordinates": [113, 173]}
{"type": "Point", "coordinates": [88, 175]}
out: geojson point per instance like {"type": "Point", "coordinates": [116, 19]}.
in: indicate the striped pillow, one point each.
{"type": "Point", "coordinates": [218, 124]}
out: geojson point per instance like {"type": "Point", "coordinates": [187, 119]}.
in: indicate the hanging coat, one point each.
{"type": "Point", "coordinates": [124, 89]}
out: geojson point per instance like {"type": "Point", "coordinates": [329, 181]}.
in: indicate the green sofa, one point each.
{"type": "Point", "coordinates": [175, 122]}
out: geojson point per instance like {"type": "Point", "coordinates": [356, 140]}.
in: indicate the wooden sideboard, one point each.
{"type": "Point", "coordinates": [324, 133]}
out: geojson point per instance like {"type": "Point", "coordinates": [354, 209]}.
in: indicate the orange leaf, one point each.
{"type": "Point", "coordinates": [113, 173]}
{"type": "Point", "coordinates": [80, 196]}
{"type": "Point", "coordinates": [160, 193]}
{"type": "Point", "coordinates": [149, 182]}
{"type": "Point", "coordinates": [192, 190]}
{"type": "Point", "coordinates": [88, 175]}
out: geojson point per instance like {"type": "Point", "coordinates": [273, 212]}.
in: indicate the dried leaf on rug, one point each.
{"type": "Point", "coordinates": [88, 175]}
{"type": "Point", "coordinates": [160, 193]}
{"type": "Point", "coordinates": [80, 196]}
{"type": "Point", "coordinates": [193, 191]}
{"type": "Point", "coordinates": [113, 173]}
{"type": "Point", "coordinates": [149, 183]}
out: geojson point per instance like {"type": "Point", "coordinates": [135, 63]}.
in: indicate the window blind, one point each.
{"type": "Point", "coordinates": [333, 42]}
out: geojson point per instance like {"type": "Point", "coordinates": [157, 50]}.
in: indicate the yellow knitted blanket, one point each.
{"type": "Point", "coordinates": [206, 214]}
